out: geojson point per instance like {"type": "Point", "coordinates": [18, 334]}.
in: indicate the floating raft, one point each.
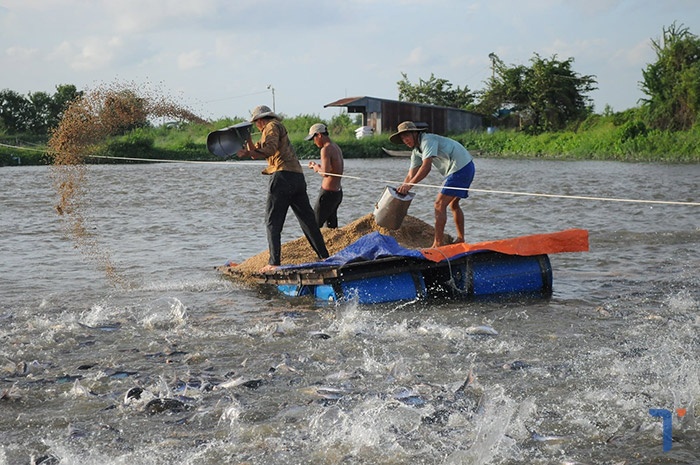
{"type": "Point", "coordinates": [376, 269]}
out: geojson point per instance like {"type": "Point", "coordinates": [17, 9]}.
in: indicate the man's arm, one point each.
{"type": "Point", "coordinates": [415, 176]}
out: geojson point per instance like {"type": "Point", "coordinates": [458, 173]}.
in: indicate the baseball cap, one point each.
{"type": "Point", "coordinates": [316, 129]}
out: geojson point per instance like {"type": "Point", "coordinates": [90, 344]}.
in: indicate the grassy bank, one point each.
{"type": "Point", "coordinates": [599, 138]}
{"type": "Point", "coordinates": [602, 142]}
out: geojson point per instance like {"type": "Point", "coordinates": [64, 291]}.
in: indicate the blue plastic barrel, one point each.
{"type": "Point", "coordinates": [387, 288]}
{"type": "Point", "coordinates": [494, 273]}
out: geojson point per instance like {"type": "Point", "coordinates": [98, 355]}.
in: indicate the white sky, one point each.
{"type": "Point", "coordinates": [218, 57]}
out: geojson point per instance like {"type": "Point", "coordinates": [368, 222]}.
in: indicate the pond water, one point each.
{"type": "Point", "coordinates": [228, 373]}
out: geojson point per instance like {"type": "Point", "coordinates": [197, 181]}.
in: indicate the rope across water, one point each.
{"type": "Point", "coordinates": [471, 189]}
{"type": "Point", "coordinates": [385, 181]}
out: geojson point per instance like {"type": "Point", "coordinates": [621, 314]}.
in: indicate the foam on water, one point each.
{"type": "Point", "coordinates": [164, 313]}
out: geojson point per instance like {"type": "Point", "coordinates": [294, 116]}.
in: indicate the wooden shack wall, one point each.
{"type": "Point", "coordinates": [439, 120]}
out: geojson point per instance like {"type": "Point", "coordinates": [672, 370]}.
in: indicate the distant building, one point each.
{"type": "Point", "coordinates": [384, 116]}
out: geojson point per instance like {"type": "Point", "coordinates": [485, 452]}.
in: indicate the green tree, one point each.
{"type": "Point", "coordinates": [547, 96]}
{"type": "Point", "coordinates": [40, 104]}
{"type": "Point", "coordinates": [434, 91]}
{"type": "Point", "coordinates": [341, 125]}
{"type": "Point", "coordinates": [672, 83]}
{"type": "Point", "coordinates": [62, 98]}
{"type": "Point", "coordinates": [15, 111]}
{"type": "Point", "coordinates": [36, 113]}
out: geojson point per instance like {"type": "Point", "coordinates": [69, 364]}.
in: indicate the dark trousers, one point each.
{"type": "Point", "coordinates": [288, 189]}
{"type": "Point", "coordinates": [326, 208]}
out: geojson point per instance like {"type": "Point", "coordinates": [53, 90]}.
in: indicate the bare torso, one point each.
{"type": "Point", "coordinates": [331, 163]}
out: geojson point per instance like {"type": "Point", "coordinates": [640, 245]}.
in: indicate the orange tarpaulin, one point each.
{"type": "Point", "coordinates": [570, 240]}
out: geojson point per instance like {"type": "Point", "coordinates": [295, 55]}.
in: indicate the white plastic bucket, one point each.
{"type": "Point", "coordinates": [391, 208]}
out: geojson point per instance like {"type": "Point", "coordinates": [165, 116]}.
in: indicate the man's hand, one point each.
{"type": "Point", "coordinates": [403, 189]}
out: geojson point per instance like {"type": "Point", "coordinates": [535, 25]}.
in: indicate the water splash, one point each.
{"type": "Point", "coordinates": [165, 313]}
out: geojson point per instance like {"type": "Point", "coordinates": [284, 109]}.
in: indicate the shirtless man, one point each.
{"type": "Point", "coordinates": [331, 168]}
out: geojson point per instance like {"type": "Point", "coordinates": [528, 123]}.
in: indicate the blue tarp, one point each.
{"type": "Point", "coordinates": [369, 247]}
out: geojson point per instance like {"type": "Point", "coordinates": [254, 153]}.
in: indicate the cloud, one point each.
{"type": "Point", "coordinates": [597, 7]}
{"type": "Point", "coordinates": [148, 16]}
{"type": "Point", "coordinates": [190, 60]}
{"type": "Point", "coordinates": [638, 55]}
{"type": "Point", "coordinates": [92, 53]}
{"type": "Point", "coordinates": [416, 57]}
{"type": "Point", "coordinates": [576, 49]}
{"type": "Point", "coordinates": [22, 53]}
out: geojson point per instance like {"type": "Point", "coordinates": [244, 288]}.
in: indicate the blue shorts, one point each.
{"type": "Point", "coordinates": [461, 180]}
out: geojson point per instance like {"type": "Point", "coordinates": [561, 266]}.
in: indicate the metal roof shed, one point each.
{"type": "Point", "coordinates": [384, 115]}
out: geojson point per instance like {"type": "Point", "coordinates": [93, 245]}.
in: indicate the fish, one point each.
{"type": "Point", "coordinates": [45, 460]}
{"type": "Point", "coordinates": [161, 405]}
{"type": "Point", "coordinates": [241, 381]}
{"type": "Point", "coordinates": [284, 367]}
{"type": "Point", "coordinates": [193, 384]}
{"type": "Point", "coordinates": [120, 374]}
{"type": "Point", "coordinates": [68, 378]}
{"type": "Point", "coordinates": [516, 365]}
{"type": "Point", "coordinates": [107, 327]}
{"type": "Point", "coordinates": [548, 439]}
{"type": "Point", "coordinates": [438, 417]}
{"type": "Point", "coordinates": [11, 393]}
{"type": "Point", "coordinates": [344, 375]}
{"type": "Point", "coordinates": [24, 369]}
{"type": "Point", "coordinates": [481, 330]}
{"type": "Point", "coordinates": [133, 394]}
{"type": "Point", "coordinates": [80, 390]}
{"type": "Point", "coordinates": [463, 397]}
{"type": "Point", "coordinates": [410, 397]}
{"type": "Point", "coordinates": [327, 392]}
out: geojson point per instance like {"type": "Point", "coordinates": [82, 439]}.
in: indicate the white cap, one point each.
{"type": "Point", "coordinates": [316, 129]}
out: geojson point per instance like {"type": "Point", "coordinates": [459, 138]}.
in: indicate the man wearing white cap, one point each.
{"type": "Point", "coordinates": [451, 159]}
{"type": "Point", "coordinates": [331, 168]}
{"type": "Point", "coordinates": [287, 185]}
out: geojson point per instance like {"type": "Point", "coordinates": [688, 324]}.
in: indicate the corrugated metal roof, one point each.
{"type": "Point", "coordinates": [364, 99]}
{"type": "Point", "coordinates": [344, 101]}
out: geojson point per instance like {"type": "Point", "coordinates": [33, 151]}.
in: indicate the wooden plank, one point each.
{"type": "Point", "coordinates": [348, 272]}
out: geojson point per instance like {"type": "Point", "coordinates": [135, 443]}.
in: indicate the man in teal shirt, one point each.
{"type": "Point", "coordinates": [451, 159]}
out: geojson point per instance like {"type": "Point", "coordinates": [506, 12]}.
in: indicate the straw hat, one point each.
{"type": "Point", "coordinates": [406, 126]}
{"type": "Point", "coordinates": [318, 128]}
{"type": "Point", "coordinates": [262, 111]}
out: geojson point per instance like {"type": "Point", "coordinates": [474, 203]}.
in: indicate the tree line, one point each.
{"type": "Point", "coordinates": [37, 112]}
{"type": "Point", "coordinates": [549, 95]}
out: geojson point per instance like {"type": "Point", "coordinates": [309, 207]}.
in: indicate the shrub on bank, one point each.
{"type": "Point", "coordinates": [23, 149]}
